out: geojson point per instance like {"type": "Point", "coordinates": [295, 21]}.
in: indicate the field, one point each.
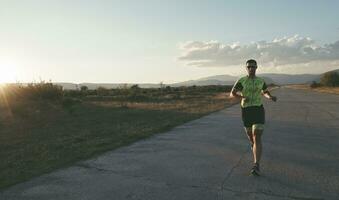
{"type": "Point", "coordinates": [44, 128]}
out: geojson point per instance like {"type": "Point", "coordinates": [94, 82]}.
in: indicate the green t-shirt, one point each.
{"type": "Point", "coordinates": [251, 89]}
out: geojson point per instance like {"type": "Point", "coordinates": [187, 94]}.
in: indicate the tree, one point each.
{"type": "Point", "coordinates": [168, 88]}
{"type": "Point", "coordinates": [161, 85]}
{"type": "Point", "coordinates": [84, 88]}
{"type": "Point", "coordinates": [330, 79]}
{"type": "Point", "coordinates": [134, 91]}
{"type": "Point", "coordinates": [135, 87]}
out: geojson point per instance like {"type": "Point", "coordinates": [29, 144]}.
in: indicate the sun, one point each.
{"type": "Point", "coordinates": [6, 77]}
{"type": "Point", "coordinates": [8, 72]}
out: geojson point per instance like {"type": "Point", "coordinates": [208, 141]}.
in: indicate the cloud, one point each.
{"type": "Point", "coordinates": [293, 50]}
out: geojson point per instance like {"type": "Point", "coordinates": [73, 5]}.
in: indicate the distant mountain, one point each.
{"type": "Point", "coordinates": [280, 79]}
{"type": "Point", "coordinates": [220, 78]}
{"type": "Point", "coordinates": [92, 86]}
{"type": "Point", "coordinates": [283, 79]}
{"type": "Point", "coordinates": [118, 85]}
{"type": "Point", "coordinates": [217, 80]}
{"type": "Point", "coordinates": [268, 80]}
{"type": "Point", "coordinates": [202, 82]}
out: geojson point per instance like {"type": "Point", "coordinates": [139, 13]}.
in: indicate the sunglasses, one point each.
{"type": "Point", "coordinates": [248, 67]}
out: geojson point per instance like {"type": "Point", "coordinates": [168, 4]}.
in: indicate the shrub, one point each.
{"type": "Point", "coordinates": [101, 91]}
{"type": "Point", "coordinates": [73, 93]}
{"type": "Point", "coordinates": [35, 91]}
{"type": "Point", "coordinates": [45, 90]}
{"type": "Point", "coordinates": [314, 84]}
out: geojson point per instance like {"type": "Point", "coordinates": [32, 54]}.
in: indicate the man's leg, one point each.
{"type": "Point", "coordinates": [249, 134]}
{"type": "Point", "coordinates": [257, 147]}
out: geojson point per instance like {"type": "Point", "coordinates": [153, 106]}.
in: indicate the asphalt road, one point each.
{"type": "Point", "coordinates": [210, 158]}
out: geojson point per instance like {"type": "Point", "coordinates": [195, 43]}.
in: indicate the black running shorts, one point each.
{"type": "Point", "coordinates": [253, 115]}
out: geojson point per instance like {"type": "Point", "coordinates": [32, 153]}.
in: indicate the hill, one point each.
{"type": "Point", "coordinates": [280, 79]}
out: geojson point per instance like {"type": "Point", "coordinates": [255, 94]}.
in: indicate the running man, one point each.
{"type": "Point", "coordinates": [252, 109]}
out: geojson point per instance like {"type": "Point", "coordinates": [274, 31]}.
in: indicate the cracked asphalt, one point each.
{"type": "Point", "coordinates": [209, 158]}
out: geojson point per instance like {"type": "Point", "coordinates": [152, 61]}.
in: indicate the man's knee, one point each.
{"type": "Point", "coordinates": [248, 130]}
{"type": "Point", "coordinates": [258, 129]}
{"type": "Point", "coordinates": [257, 132]}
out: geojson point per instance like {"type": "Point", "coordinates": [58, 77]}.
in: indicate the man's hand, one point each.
{"type": "Point", "coordinates": [269, 96]}
{"type": "Point", "coordinates": [273, 98]}
{"type": "Point", "coordinates": [245, 99]}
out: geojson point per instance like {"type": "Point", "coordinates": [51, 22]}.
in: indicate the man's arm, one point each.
{"type": "Point", "coordinates": [236, 88]}
{"type": "Point", "coordinates": [267, 94]}
{"type": "Point", "coordinates": [234, 94]}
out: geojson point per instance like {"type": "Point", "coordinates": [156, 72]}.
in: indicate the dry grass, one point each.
{"type": "Point", "coordinates": [332, 90]}
{"type": "Point", "coordinates": [193, 105]}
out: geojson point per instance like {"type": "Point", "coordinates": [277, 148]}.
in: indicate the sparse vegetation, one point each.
{"type": "Point", "coordinates": [44, 127]}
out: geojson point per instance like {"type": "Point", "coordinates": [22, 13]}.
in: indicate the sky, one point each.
{"type": "Point", "coordinates": [153, 41]}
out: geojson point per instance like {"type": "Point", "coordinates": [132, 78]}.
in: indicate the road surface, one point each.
{"type": "Point", "coordinates": [210, 158]}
